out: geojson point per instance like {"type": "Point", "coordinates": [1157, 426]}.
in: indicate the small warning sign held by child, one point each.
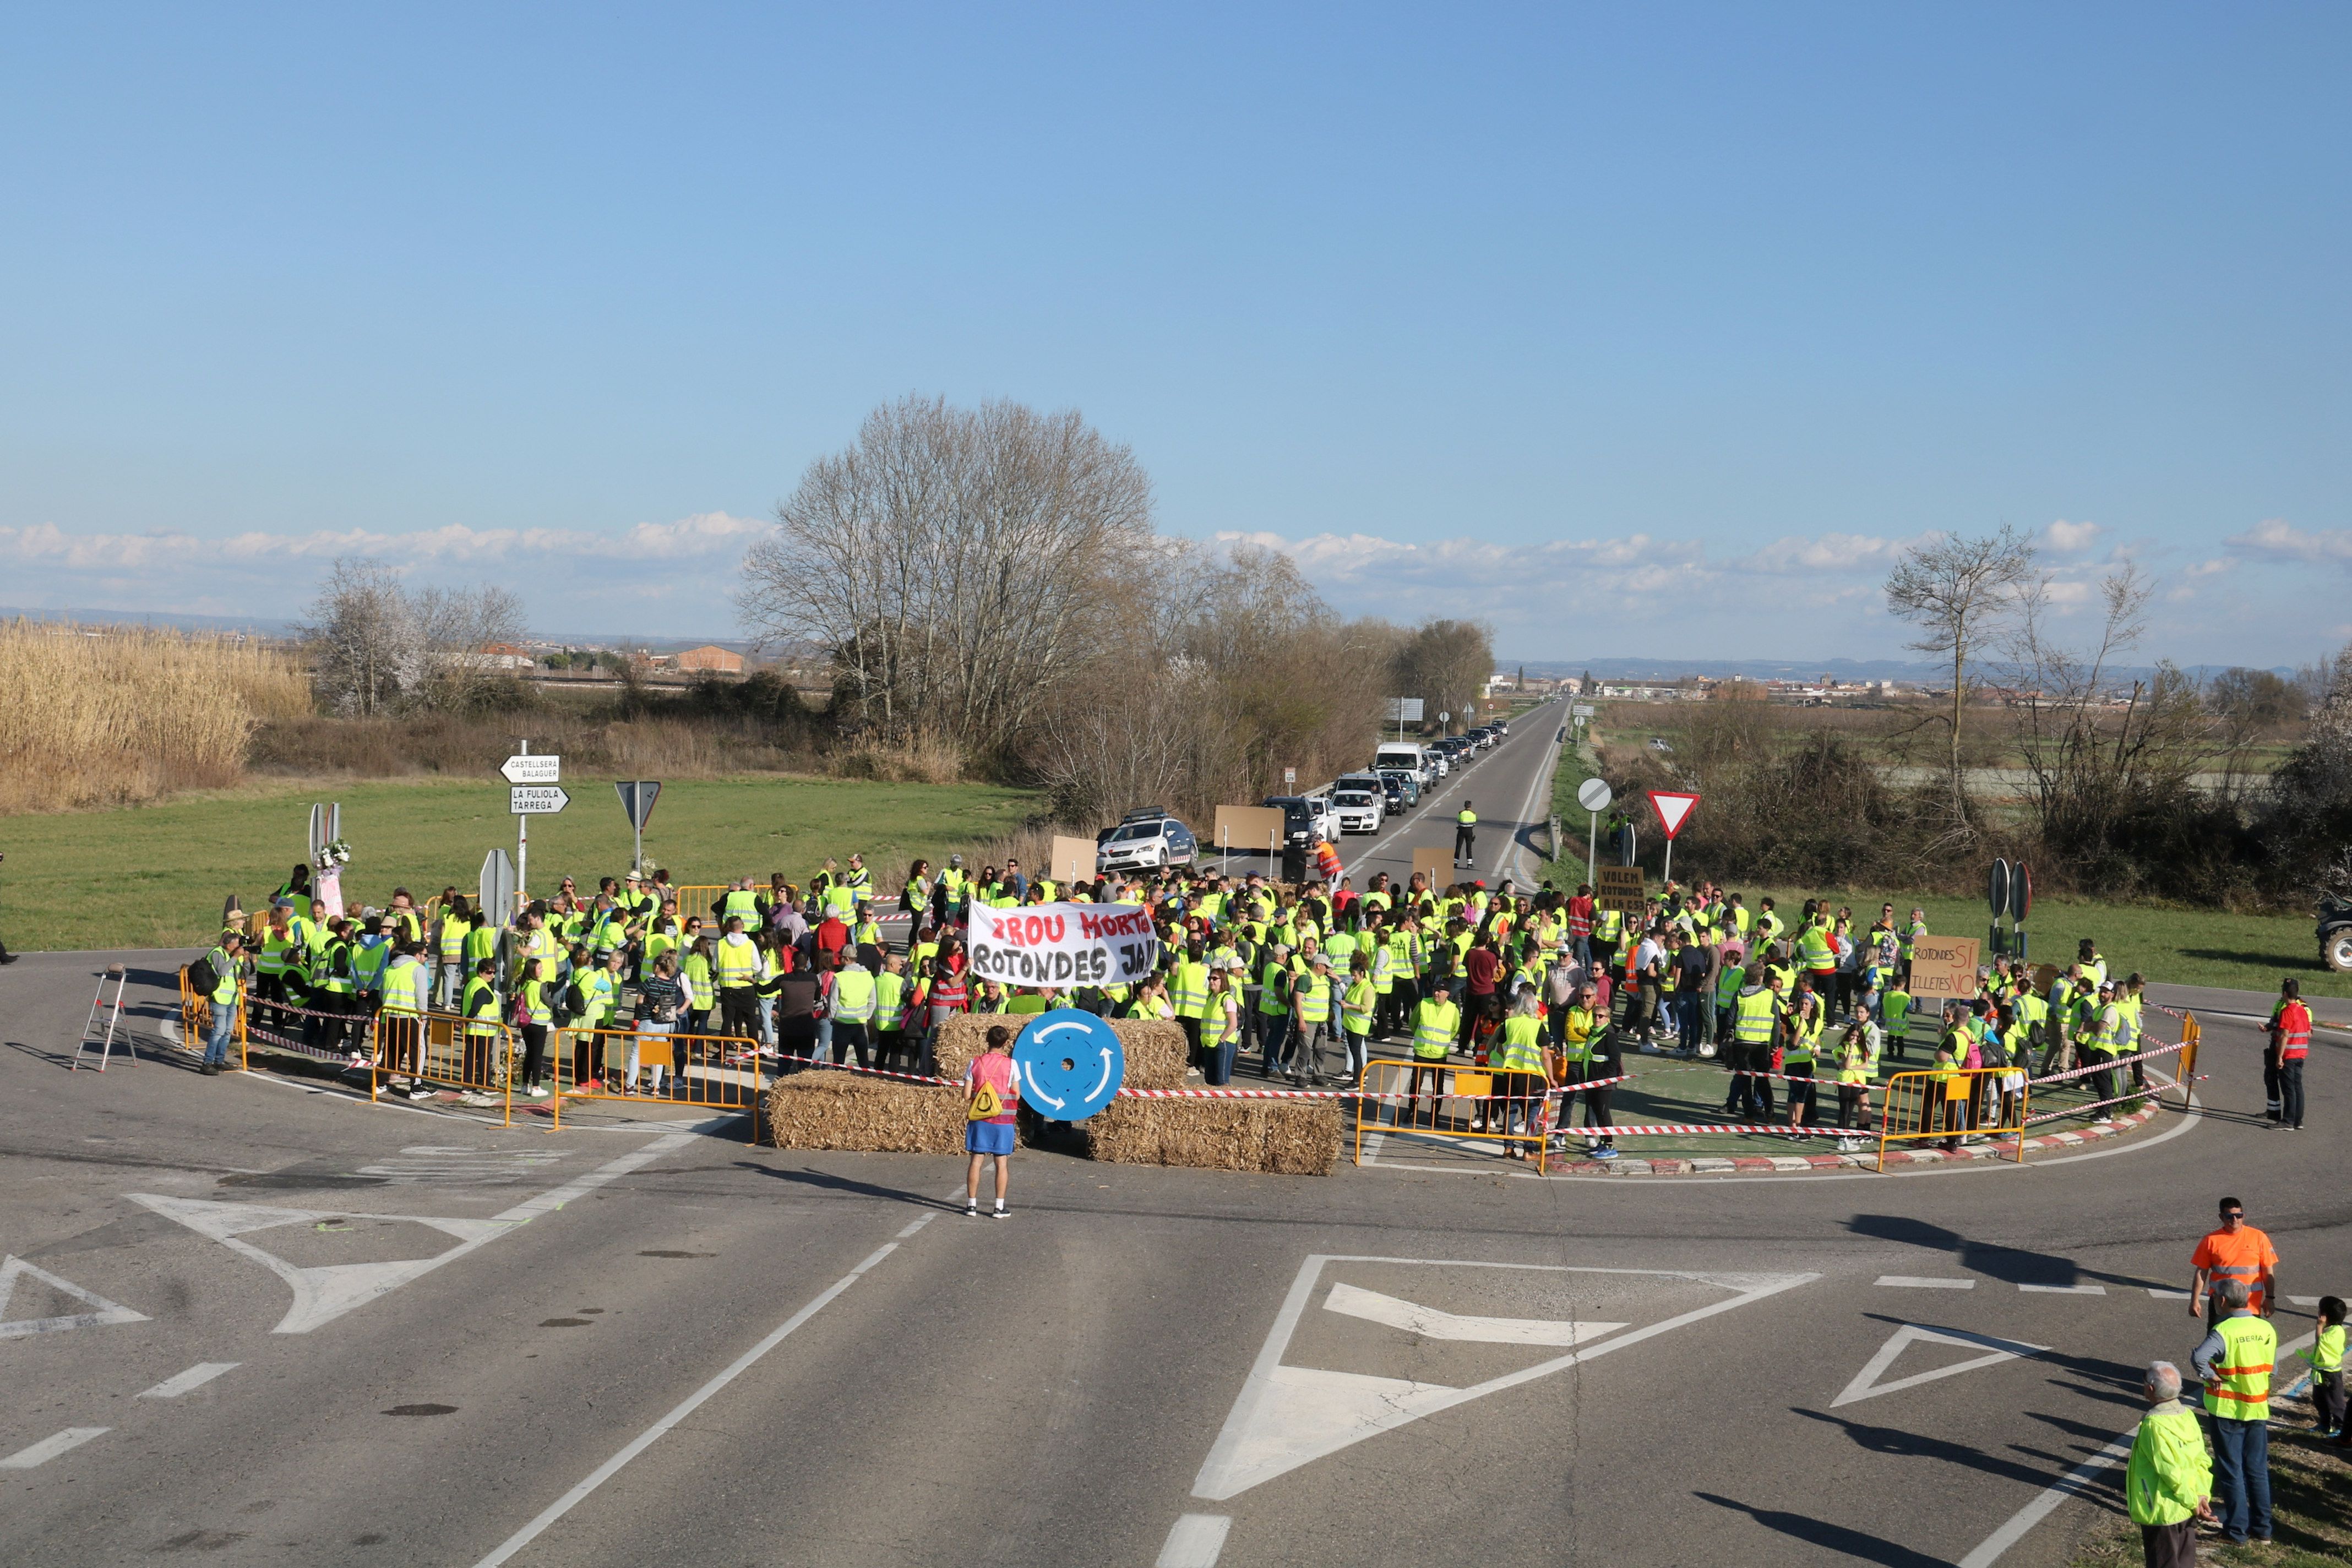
{"type": "Point", "coordinates": [984, 1104]}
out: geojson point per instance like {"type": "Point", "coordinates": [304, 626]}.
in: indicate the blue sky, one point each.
{"type": "Point", "coordinates": [1634, 330]}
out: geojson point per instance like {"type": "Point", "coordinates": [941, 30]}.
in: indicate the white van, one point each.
{"type": "Point", "coordinates": [1409, 756]}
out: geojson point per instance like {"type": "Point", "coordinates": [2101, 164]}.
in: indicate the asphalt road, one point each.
{"type": "Point", "coordinates": [285, 1327]}
{"type": "Point", "coordinates": [1509, 787]}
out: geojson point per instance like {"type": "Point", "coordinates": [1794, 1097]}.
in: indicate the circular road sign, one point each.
{"type": "Point", "coordinates": [1997, 888]}
{"type": "Point", "coordinates": [1071, 1064]}
{"type": "Point", "coordinates": [2021, 891]}
{"type": "Point", "coordinates": [1593, 795]}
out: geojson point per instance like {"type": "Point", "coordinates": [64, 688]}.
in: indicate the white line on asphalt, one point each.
{"type": "Point", "coordinates": [693, 1402]}
{"type": "Point", "coordinates": [2074, 1483]}
{"type": "Point", "coordinates": [2156, 1295]}
{"type": "Point", "coordinates": [1195, 1541]}
{"type": "Point", "coordinates": [49, 1447]}
{"type": "Point", "coordinates": [2291, 1301]}
{"type": "Point", "coordinates": [2063, 1289]}
{"type": "Point", "coordinates": [197, 1376]}
{"type": "Point", "coordinates": [916, 1225]}
{"type": "Point", "coordinates": [1924, 1282]}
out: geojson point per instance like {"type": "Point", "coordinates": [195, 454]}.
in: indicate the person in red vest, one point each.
{"type": "Point", "coordinates": [2290, 1032]}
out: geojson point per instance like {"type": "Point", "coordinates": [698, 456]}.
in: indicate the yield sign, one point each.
{"type": "Point", "coordinates": [1290, 1416]}
{"type": "Point", "coordinates": [1674, 808]}
{"type": "Point", "coordinates": [1866, 1383]}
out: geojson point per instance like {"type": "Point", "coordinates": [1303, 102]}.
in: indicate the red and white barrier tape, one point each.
{"type": "Point", "coordinates": [2154, 1092]}
{"type": "Point", "coordinates": [2117, 1062]}
{"type": "Point", "coordinates": [1678, 1127]}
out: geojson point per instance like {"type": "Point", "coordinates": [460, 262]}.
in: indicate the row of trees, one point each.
{"type": "Point", "coordinates": [2134, 783]}
{"type": "Point", "coordinates": [990, 580]}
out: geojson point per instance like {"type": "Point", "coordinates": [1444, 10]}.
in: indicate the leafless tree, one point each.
{"type": "Point", "coordinates": [1962, 595]}
{"type": "Point", "coordinates": [460, 626]}
{"type": "Point", "coordinates": [368, 647]}
{"type": "Point", "coordinates": [951, 560]}
{"type": "Point", "coordinates": [1445, 664]}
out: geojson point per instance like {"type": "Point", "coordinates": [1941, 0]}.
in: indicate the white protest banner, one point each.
{"type": "Point", "coordinates": [1064, 945]}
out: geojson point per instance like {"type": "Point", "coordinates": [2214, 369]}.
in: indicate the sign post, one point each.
{"type": "Point", "coordinates": [1593, 795]}
{"type": "Point", "coordinates": [637, 798]}
{"type": "Point", "coordinates": [1996, 896]}
{"type": "Point", "coordinates": [1674, 808]}
{"type": "Point", "coordinates": [522, 770]}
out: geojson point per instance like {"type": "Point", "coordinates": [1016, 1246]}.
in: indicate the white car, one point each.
{"type": "Point", "coordinates": [1143, 842]}
{"type": "Point", "coordinates": [1359, 810]}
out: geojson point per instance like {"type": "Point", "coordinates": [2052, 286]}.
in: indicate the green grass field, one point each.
{"type": "Point", "coordinates": [156, 876]}
{"type": "Point", "coordinates": [2170, 946]}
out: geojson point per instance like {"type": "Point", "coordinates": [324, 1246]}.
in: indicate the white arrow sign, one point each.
{"type": "Point", "coordinates": [536, 800]}
{"type": "Point", "coordinates": [532, 770]}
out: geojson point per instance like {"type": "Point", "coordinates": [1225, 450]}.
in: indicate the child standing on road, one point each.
{"type": "Point", "coordinates": [992, 1095]}
{"type": "Point", "coordinates": [2326, 1358]}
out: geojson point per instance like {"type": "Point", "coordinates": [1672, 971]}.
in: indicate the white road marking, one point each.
{"type": "Point", "coordinates": [916, 1225]}
{"type": "Point", "coordinates": [104, 1311]}
{"type": "Point", "coordinates": [1432, 1325]}
{"type": "Point", "coordinates": [688, 1407]}
{"type": "Point", "coordinates": [2074, 1483]}
{"type": "Point", "coordinates": [1866, 1383]}
{"type": "Point", "coordinates": [1194, 1541]}
{"type": "Point", "coordinates": [2063, 1289]}
{"type": "Point", "coordinates": [1924, 1282]}
{"type": "Point", "coordinates": [2156, 1295]}
{"type": "Point", "coordinates": [197, 1376]}
{"type": "Point", "coordinates": [2292, 1301]}
{"type": "Point", "coordinates": [1285, 1416]}
{"type": "Point", "coordinates": [325, 1293]}
{"type": "Point", "coordinates": [49, 1447]}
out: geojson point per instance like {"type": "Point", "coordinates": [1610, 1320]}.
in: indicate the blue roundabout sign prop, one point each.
{"type": "Point", "coordinates": [1071, 1064]}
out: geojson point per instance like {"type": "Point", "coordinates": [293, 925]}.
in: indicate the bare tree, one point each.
{"type": "Point", "coordinates": [369, 650]}
{"type": "Point", "coordinates": [949, 561]}
{"type": "Point", "coordinates": [1962, 595]}
{"type": "Point", "coordinates": [460, 626]}
{"type": "Point", "coordinates": [1445, 664]}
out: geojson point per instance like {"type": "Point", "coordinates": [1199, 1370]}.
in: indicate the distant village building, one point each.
{"type": "Point", "coordinates": [710, 658]}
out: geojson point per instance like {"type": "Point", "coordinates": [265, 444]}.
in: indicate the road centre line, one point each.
{"type": "Point", "coordinates": [195, 1377]}
{"type": "Point", "coordinates": [2063, 1289]}
{"type": "Point", "coordinates": [1924, 1282]}
{"type": "Point", "coordinates": [2074, 1483]}
{"type": "Point", "coordinates": [686, 1408]}
{"type": "Point", "coordinates": [50, 1446]}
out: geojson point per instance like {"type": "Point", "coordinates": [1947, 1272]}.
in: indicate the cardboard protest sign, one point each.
{"type": "Point", "coordinates": [1437, 867]}
{"type": "Point", "coordinates": [1618, 888]}
{"type": "Point", "coordinates": [1071, 859]}
{"type": "Point", "coordinates": [1248, 829]}
{"type": "Point", "coordinates": [1944, 968]}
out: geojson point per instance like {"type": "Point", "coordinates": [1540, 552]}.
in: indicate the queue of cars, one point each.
{"type": "Point", "coordinates": [1400, 772]}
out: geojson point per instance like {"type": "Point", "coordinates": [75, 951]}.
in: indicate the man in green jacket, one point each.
{"type": "Point", "coordinates": [2168, 1483]}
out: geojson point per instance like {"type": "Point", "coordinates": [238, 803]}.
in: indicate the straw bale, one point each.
{"type": "Point", "coordinates": [1156, 1051]}
{"type": "Point", "coordinates": [844, 1111]}
{"type": "Point", "coordinates": [1282, 1137]}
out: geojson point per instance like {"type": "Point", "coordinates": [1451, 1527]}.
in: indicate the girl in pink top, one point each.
{"type": "Point", "coordinates": [993, 1135]}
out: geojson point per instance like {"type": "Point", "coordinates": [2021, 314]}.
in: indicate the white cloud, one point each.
{"type": "Point", "coordinates": [2069, 537]}
{"type": "Point", "coordinates": [2277, 540]}
{"type": "Point", "coordinates": [566, 576]}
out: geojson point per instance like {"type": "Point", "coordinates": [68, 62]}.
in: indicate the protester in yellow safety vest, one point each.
{"type": "Point", "coordinates": [1357, 1000]}
{"type": "Point", "coordinates": [2168, 1481]}
{"type": "Point", "coordinates": [408, 996]}
{"type": "Point", "coordinates": [1754, 1018]}
{"type": "Point", "coordinates": [736, 964]}
{"type": "Point", "coordinates": [2235, 1362]}
{"type": "Point", "coordinates": [1187, 989]}
{"type": "Point", "coordinates": [226, 960]}
{"type": "Point", "coordinates": [1520, 1085]}
{"type": "Point", "coordinates": [1465, 835]}
{"type": "Point", "coordinates": [855, 995]}
{"type": "Point", "coordinates": [1436, 1021]}
{"type": "Point", "coordinates": [479, 1006]}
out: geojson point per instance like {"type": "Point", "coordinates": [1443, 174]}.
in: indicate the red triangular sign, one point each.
{"type": "Point", "coordinates": [1674, 809]}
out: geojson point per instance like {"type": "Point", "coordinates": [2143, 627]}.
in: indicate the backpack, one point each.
{"type": "Point", "coordinates": [203, 978]}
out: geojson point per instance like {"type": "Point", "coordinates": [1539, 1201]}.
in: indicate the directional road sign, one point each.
{"type": "Point", "coordinates": [532, 771]}
{"type": "Point", "coordinates": [536, 800]}
{"type": "Point", "coordinates": [1071, 1064]}
{"type": "Point", "coordinates": [1581, 710]}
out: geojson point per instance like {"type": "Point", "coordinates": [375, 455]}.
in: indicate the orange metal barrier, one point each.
{"type": "Point", "coordinates": [1395, 1092]}
{"type": "Point", "coordinates": [717, 1072]}
{"type": "Point", "coordinates": [472, 1055]}
{"type": "Point", "coordinates": [1952, 1103]}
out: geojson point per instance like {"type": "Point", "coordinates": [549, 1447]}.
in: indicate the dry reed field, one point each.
{"type": "Point", "coordinates": [121, 716]}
